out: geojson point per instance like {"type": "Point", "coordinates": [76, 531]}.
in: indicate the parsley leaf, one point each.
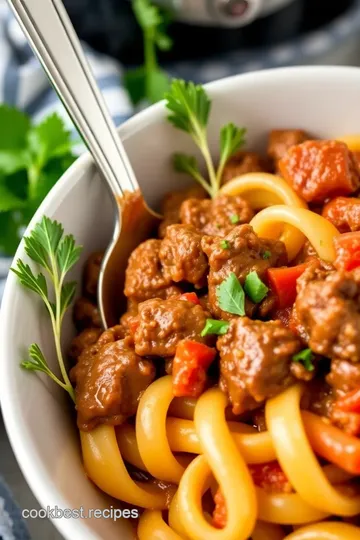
{"type": "Point", "coordinates": [255, 288]}
{"type": "Point", "coordinates": [306, 358]}
{"type": "Point", "coordinates": [225, 244]}
{"type": "Point", "coordinates": [190, 108]}
{"type": "Point", "coordinates": [231, 296]}
{"type": "Point", "coordinates": [149, 82]}
{"type": "Point", "coordinates": [32, 159]}
{"type": "Point", "coordinates": [56, 254]}
{"type": "Point", "coordinates": [234, 219]}
{"type": "Point", "coordinates": [213, 326]}
{"type": "Point", "coordinates": [266, 255]}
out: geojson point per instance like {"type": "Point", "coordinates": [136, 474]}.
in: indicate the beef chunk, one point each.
{"type": "Point", "coordinates": [255, 361]}
{"type": "Point", "coordinates": [163, 323]}
{"type": "Point", "coordinates": [317, 170]}
{"type": "Point", "coordinates": [109, 380]}
{"type": "Point", "coordinates": [144, 274]}
{"type": "Point", "coordinates": [243, 163]}
{"type": "Point", "coordinates": [280, 140]}
{"type": "Point", "coordinates": [91, 273]}
{"type": "Point", "coordinates": [86, 314]}
{"type": "Point", "coordinates": [182, 257]}
{"type": "Point", "coordinates": [244, 253]}
{"type": "Point", "coordinates": [216, 217]}
{"type": "Point", "coordinates": [344, 376]}
{"type": "Point", "coordinates": [328, 312]}
{"type": "Point", "coordinates": [85, 339]}
{"type": "Point", "coordinates": [344, 213]}
{"type": "Point", "coordinates": [170, 208]}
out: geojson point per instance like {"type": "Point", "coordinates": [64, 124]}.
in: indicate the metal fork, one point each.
{"type": "Point", "coordinates": [54, 41]}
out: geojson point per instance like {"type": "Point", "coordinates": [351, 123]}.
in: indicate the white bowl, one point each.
{"type": "Point", "coordinates": [322, 100]}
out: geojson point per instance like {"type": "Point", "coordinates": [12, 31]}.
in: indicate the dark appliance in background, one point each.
{"type": "Point", "coordinates": [109, 26]}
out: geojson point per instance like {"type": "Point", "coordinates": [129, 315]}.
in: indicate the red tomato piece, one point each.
{"type": "Point", "coordinates": [190, 297]}
{"type": "Point", "coordinates": [270, 477]}
{"type": "Point", "coordinates": [220, 513]}
{"type": "Point", "coordinates": [282, 282]}
{"type": "Point", "coordinates": [350, 402]}
{"type": "Point", "coordinates": [347, 247]}
{"type": "Point", "coordinates": [344, 213]}
{"type": "Point", "coordinates": [191, 361]}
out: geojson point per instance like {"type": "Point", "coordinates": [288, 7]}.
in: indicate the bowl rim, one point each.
{"type": "Point", "coordinates": [12, 413]}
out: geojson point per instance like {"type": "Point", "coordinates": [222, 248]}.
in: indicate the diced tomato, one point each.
{"type": "Point", "coordinates": [347, 247]}
{"type": "Point", "coordinates": [344, 213]}
{"type": "Point", "coordinates": [220, 514]}
{"type": "Point", "coordinates": [350, 402]}
{"type": "Point", "coordinates": [283, 315]}
{"type": "Point", "coordinates": [332, 444]}
{"type": "Point", "coordinates": [190, 297]}
{"type": "Point", "coordinates": [282, 282]}
{"type": "Point", "coordinates": [191, 361]}
{"type": "Point", "coordinates": [270, 477]}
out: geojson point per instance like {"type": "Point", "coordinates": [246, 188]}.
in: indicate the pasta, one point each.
{"type": "Point", "coordinates": [236, 455]}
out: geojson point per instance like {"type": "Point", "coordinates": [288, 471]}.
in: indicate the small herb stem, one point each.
{"type": "Point", "coordinates": [149, 57]}
{"type": "Point", "coordinates": [210, 167]}
{"type": "Point", "coordinates": [219, 173]}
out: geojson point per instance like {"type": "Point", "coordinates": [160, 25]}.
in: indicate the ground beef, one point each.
{"type": "Point", "coordinates": [344, 213]}
{"type": "Point", "coordinates": [91, 274]}
{"type": "Point", "coordinates": [163, 323]}
{"type": "Point", "coordinates": [144, 277]}
{"type": "Point", "coordinates": [318, 170]}
{"type": "Point", "coordinates": [344, 376]}
{"type": "Point", "coordinates": [216, 217]}
{"type": "Point", "coordinates": [82, 341]}
{"type": "Point", "coordinates": [86, 314]}
{"type": "Point", "coordinates": [244, 252]}
{"type": "Point", "coordinates": [109, 380]}
{"type": "Point", "coordinates": [243, 163]}
{"type": "Point", "coordinates": [170, 208]}
{"type": "Point", "coordinates": [328, 312]}
{"type": "Point", "coordinates": [255, 361]}
{"type": "Point", "coordinates": [280, 140]}
{"type": "Point", "coordinates": [181, 256]}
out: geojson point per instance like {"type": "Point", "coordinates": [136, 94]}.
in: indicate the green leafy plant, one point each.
{"type": "Point", "coordinates": [149, 82]}
{"type": "Point", "coordinates": [305, 357]}
{"type": "Point", "coordinates": [190, 108]}
{"type": "Point", "coordinates": [231, 296]}
{"type": "Point", "coordinates": [56, 254]}
{"type": "Point", "coordinates": [32, 159]}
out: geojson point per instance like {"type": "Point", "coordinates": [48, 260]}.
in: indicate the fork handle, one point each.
{"type": "Point", "coordinates": [54, 41]}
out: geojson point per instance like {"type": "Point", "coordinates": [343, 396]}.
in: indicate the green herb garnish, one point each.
{"type": "Point", "coordinates": [225, 244]}
{"type": "Point", "coordinates": [190, 107]}
{"type": "Point", "coordinates": [255, 288]}
{"type": "Point", "coordinates": [56, 254]}
{"type": "Point", "coordinates": [306, 358]}
{"type": "Point", "coordinates": [231, 296]}
{"type": "Point", "coordinates": [149, 82]}
{"type": "Point", "coordinates": [234, 219]}
{"type": "Point", "coordinates": [32, 159]}
{"type": "Point", "coordinates": [266, 255]}
{"type": "Point", "coordinates": [213, 326]}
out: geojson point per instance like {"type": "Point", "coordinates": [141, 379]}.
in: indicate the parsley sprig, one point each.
{"type": "Point", "coordinates": [190, 108]}
{"type": "Point", "coordinates": [149, 82]}
{"type": "Point", "coordinates": [56, 254]}
{"type": "Point", "coordinates": [305, 357]}
{"type": "Point", "coordinates": [32, 159]}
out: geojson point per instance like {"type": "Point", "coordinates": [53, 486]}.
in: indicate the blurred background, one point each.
{"type": "Point", "coordinates": [134, 48]}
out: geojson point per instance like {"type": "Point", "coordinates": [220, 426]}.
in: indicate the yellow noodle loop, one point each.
{"type": "Point", "coordinates": [284, 422]}
{"type": "Point", "coordinates": [221, 458]}
{"type": "Point", "coordinates": [286, 508]}
{"type": "Point", "coordinates": [262, 190]}
{"type": "Point", "coordinates": [267, 531]}
{"type": "Point", "coordinates": [352, 142]}
{"type": "Point", "coordinates": [326, 531]}
{"type": "Point", "coordinates": [318, 230]}
{"type": "Point", "coordinates": [104, 465]}
{"type": "Point", "coordinates": [151, 436]}
{"type": "Point", "coordinates": [152, 526]}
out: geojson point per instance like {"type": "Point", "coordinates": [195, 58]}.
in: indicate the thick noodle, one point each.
{"type": "Point", "coordinates": [326, 531]}
{"type": "Point", "coordinates": [318, 230]}
{"type": "Point", "coordinates": [152, 526]}
{"type": "Point", "coordinates": [105, 466]}
{"type": "Point", "coordinates": [297, 458]}
{"type": "Point", "coordinates": [221, 458]}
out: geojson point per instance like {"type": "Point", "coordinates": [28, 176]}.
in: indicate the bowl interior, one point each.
{"type": "Point", "coordinates": [38, 418]}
